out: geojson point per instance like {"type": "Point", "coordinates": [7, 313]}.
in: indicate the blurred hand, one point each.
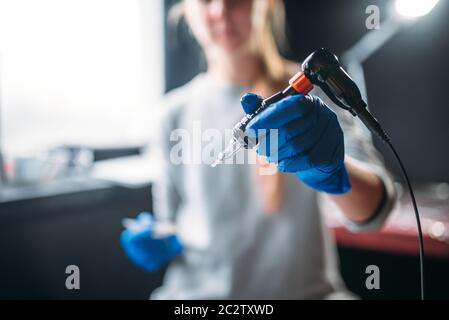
{"type": "Point", "coordinates": [310, 140]}
{"type": "Point", "coordinates": [147, 247]}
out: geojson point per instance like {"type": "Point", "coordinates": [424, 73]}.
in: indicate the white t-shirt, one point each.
{"type": "Point", "coordinates": [232, 249]}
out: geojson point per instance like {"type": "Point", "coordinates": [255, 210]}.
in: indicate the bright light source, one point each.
{"type": "Point", "coordinates": [414, 8]}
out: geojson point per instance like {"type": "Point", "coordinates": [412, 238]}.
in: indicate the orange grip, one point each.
{"type": "Point", "coordinates": [301, 83]}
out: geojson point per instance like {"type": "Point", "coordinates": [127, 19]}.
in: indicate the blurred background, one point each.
{"type": "Point", "coordinates": [79, 82]}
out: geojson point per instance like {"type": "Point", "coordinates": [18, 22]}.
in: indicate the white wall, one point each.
{"type": "Point", "coordinates": [78, 71]}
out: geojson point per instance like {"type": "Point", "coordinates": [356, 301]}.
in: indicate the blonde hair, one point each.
{"type": "Point", "coordinates": [269, 34]}
{"type": "Point", "coordinates": [269, 21]}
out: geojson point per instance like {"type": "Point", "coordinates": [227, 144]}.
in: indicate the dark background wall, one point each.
{"type": "Point", "coordinates": [407, 79]}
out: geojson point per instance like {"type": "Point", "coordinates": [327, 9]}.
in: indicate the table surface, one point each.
{"type": "Point", "coordinates": [399, 233]}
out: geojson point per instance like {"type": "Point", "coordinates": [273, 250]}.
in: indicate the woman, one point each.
{"type": "Point", "coordinates": [248, 235]}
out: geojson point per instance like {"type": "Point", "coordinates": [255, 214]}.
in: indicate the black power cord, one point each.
{"type": "Point", "coordinates": [373, 125]}
{"type": "Point", "coordinates": [418, 220]}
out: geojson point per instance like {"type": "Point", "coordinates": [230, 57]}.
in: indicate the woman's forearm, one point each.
{"type": "Point", "coordinates": [361, 202]}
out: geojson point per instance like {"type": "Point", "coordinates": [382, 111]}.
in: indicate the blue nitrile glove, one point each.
{"type": "Point", "coordinates": [310, 140]}
{"type": "Point", "coordinates": [144, 248]}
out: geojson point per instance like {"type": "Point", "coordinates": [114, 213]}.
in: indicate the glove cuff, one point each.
{"type": "Point", "coordinates": [335, 182]}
